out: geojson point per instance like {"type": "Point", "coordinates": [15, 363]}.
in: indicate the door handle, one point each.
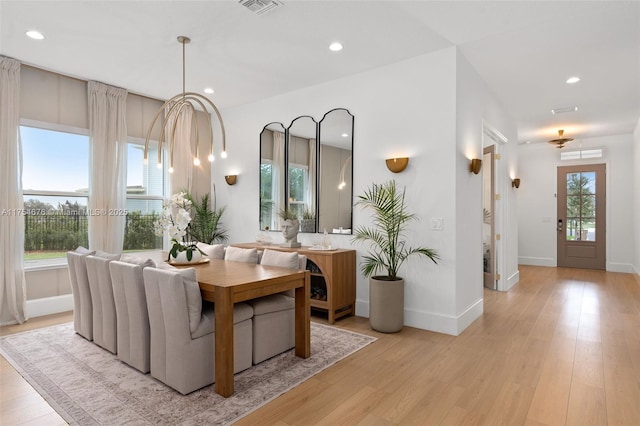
{"type": "Point", "coordinates": [559, 225]}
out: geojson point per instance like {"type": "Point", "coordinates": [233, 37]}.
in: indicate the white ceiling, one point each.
{"type": "Point", "coordinates": [524, 50]}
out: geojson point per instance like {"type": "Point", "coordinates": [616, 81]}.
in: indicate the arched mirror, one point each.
{"type": "Point", "coordinates": [272, 175]}
{"type": "Point", "coordinates": [313, 180]}
{"type": "Point", "coordinates": [302, 167]}
{"type": "Point", "coordinates": [336, 172]}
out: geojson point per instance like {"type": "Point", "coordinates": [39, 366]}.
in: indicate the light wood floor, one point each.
{"type": "Point", "coordinates": [562, 347]}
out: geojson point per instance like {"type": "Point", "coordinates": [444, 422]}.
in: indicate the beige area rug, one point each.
{"type": "Point", "coordinates": [87, 385]}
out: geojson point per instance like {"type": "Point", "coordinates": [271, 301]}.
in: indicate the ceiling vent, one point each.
{"type": "Point", "coordinates": [564, 110]}
{"type": "Point", "coordinates": [260, 7]}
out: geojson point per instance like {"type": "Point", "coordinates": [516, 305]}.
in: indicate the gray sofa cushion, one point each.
{"type": "Point", "coordinates": [82, 304]}
{"type": "Point", "coordinates": [104, 309]}
{"type": "Point", "coordinates": [135, 260]}
{"type": "Point", "coordinates": [133, 334]}
{"type": "Point", "coordinates": [84, 250]}
{"type": "Point", "coordinates": [194, 298]}
{"type": "Point", "coordinates": [272, 303]}
{"type": "Point", "coordinates": [108, 256]}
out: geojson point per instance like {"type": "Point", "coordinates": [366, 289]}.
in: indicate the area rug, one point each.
{"type": "Point", "coordinates": [87, 385]}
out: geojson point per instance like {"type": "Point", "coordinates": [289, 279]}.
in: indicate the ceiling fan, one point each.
{"type": "Point", "coordinates": [559, 143]}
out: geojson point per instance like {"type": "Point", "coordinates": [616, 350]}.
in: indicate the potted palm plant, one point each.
{"type": "Point", "coordinates": [388, 251]}
{"type": "Point", "coordinates": [206, 224]}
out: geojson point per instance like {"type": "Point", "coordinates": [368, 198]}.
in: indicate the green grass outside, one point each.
{"type": "Point", "coordinates": [40, 255]}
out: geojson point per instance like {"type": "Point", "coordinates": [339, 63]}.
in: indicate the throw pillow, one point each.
{"type": "Point", "coordinates": [281, 259]}
{"type": "Point", "coordinates": [238, 254]}
{"type": "Point", "coordinates": [215, 251]}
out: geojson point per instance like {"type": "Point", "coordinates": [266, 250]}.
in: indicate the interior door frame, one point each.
{"type": "Point", "coordinates": [492, 136]}
{"type": "Point", "coordinates": [600, 243]}
{"type": "Point", "coordinates": [489, 278]}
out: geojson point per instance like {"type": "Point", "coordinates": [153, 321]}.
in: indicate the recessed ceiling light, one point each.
{"type": "Point", "coordinates": [572, 80]}
{"type": "Point", "coordinates": [335, 46]}
{"type": "Point", "coordinates": [208, 90]}
{"type": "Point", "coordinates": [34, 35]}
{"type": "Point", "coordinates": [345, 135]}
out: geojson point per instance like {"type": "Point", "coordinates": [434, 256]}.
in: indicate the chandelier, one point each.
{"type": "Point", "coordinates": [174, 109]}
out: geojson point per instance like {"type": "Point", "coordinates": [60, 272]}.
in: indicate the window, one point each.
{"type": "Point", "coordinates": [581, 154]}
{"type": "Point", "coordinates": [266, 195]}
{"type": "Point", "coordinates": [581, 206]}
{"type": "Point", "coordinates": [55, 182]}
{"type": "Point", "coordinates": [298, 181]}
{"type": "Point", "coordinates": [145, 193]}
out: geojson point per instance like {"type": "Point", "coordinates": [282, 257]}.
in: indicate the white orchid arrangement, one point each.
{"type": "Point", "coordinates": [174, 220]}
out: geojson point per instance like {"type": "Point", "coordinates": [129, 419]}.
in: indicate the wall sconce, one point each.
{"type": "Point", "coordinates": [475, 165]}
{"type": "Point", "coordinates": [515, 183]}
{"type": "Point", "coordinates": [396, 165]}
{"type": "Point", "coordinates": [231, 179]}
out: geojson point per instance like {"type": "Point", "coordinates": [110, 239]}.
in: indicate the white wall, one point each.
{"type": "Point", "coordinates": [475, 106]}
{"type": "Point", "coordinates": [636, 192]}
{"type": "Point", "coordinates": [404, 109]}
{"type": "Point", "coordinates": [537, 210]}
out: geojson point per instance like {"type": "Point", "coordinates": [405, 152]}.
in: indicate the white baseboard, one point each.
{"type": "Point", "coordinates": [513, 280]}
{"type": "Point", "coordinates": [620, 267]}
{"type": "Point", "coordinates": [537, 261]}
{"type": "Point", "coordinates": [447, 324]}
{"type": "Point", "coordinates": [362, 308]}
{"type": "Point", "coordinates": [49, 305]}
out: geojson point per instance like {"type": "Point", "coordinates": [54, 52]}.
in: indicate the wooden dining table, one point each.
{"type": "Point", "coordinates": [226, 283]}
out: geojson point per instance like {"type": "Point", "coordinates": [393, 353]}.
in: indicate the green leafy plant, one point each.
{"type": "Point", "coordinates": [287, 214]}
{"type": "Point", "coordinates": [307, 213]}
{"type": "Point", "coordinates": [206, 223]}
{"type": "Point", "coordinates": [390, 218]}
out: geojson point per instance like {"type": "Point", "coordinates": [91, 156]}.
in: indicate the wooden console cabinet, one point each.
{"type": "Point", "coordinates": [333, 278]}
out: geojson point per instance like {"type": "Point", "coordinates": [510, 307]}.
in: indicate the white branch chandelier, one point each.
{"type": "Point", "coordinates": [174, 109]}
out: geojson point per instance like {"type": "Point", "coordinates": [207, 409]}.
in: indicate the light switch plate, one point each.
{"type": "Point", "coordinates": [437, 223]}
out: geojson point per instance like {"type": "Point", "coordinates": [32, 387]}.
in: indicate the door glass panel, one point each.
{"type": "Point", "coordinates": [581, 206]}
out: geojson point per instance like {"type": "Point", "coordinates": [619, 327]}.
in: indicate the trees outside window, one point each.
{"type": "Point", "coordinates": [581, 206]}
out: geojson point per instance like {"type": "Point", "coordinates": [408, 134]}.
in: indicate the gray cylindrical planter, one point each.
{"type": "Point", "coordinates": [386, 305]}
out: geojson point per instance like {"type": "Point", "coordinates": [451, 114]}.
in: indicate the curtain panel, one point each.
{"type": "Point", "coordinates": [182, 177]}
{"type": "Point", "coordinates": [277, 179]}
{"type": "Point", "coordinates": [12, 280]}
{"type": "Point", "coordinates": [108, 184]}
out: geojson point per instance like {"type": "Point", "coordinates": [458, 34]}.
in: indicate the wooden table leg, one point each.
{"type": "Point", "coordinates": [303, 318]}
{"type": "Point", "coordinates": [224, 341]}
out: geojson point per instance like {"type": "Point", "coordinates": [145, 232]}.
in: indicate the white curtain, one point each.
{"type": "Point", "coordinates": [182, 177]}
{"type": "Point", "coordinates": [277, 178]}
{"type": "Point", "coordinates": [12, 281]}
{"type": "Point", "coordinates": [108, 184]}
{"type": "Point", "coordinates": [310, 185]}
